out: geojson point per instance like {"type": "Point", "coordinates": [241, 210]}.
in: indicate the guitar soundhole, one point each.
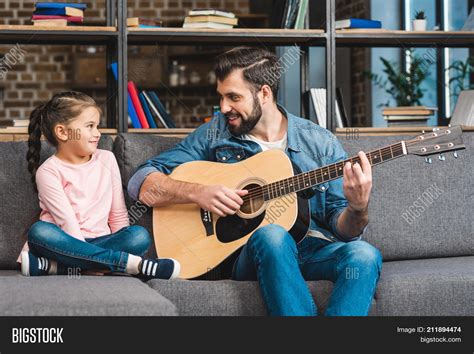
{"type": "Point", "coordinates": [252, 201]}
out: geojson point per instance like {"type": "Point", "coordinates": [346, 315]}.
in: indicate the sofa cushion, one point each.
{"type": "Point", "coordinates": [19, 206]}
{"type": "Point", "coordinates": [81, 296]}
{"type": "Point", "coordinates": [226, 297]}
{"type": "Point", "coordinates": [427, 287]}
{"type": "Point", "coordinates": [405, 223]}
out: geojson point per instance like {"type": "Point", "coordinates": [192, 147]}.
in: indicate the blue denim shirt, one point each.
{"type": "Point", "coordinates": [309, 147]}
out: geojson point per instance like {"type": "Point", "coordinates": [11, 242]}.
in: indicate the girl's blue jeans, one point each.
{"type": "Point", "coordinates": [106, 253]}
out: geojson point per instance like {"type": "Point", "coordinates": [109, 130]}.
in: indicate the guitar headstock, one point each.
{"type": "Point", "coordinates": [436, 142]}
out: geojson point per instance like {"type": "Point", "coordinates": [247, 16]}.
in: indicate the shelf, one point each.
{"type": "Point", "coordinates": [234, 36]}
{"type": "Point", "coordinates": [386, 38]}
{"type": "Point", "coordinates": [374, 131]}
{"type": "Point", "coordinates": [12, 34]}
{"type": "Point", "coordinates": [24, 130]}
{"type": "Point", "coordinates": [185, 88]}
{"type": "Point", "coordinates": [174, 132]}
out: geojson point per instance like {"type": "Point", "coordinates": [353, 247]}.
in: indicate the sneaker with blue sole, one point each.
{"type": "Point", "coordinates": [32, 265]}
{"type": "Point", "coordinates": [162, 268]}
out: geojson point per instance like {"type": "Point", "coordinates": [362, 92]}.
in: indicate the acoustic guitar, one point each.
{"type": "Point", "coordinates": [201, 240]}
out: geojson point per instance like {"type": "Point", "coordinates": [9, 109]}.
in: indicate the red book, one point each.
{"type": "Point", "coordinates": [132, 90]}
{"type": "Point", "coordinates": [58, 17]}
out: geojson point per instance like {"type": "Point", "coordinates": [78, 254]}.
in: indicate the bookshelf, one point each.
{"type": "Point", "coordinates": [116, 39]}
{"type": "Point", "coordinates": [98, 35]}
{"type": "Point", "coordinates": [386, 38]}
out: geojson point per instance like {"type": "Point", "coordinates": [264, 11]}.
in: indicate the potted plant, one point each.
{"type": "Point", "coordinates": [404, 86]}
{"type": "Point", "coordinates": [419, 23]}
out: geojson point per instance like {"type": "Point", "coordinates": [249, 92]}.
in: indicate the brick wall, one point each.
{"type": "Point", "coordinates": [360, 61]}
{"type": "Point", "coordinates": [47, 69]}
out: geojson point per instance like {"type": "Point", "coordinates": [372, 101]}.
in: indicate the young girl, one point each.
{"type": "Point", "coordinates": [84, 221]}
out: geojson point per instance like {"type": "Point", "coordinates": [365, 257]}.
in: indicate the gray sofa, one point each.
{"type": "Point", "coordinates": [428, 264]}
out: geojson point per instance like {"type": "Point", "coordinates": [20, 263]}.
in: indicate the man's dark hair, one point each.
{"type": "Point", "coordinates": [259, 67]}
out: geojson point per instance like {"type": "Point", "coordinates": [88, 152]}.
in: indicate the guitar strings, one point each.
{"type": "Point", "coordinates": [257, 192]}
{"type": "Point", "coordinates": [276, 187]}
{"type": "Point", "coordinates": [272, 188]}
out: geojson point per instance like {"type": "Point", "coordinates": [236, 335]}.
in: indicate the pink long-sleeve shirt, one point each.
{"type": "Point", "coordinates": [85, 200]}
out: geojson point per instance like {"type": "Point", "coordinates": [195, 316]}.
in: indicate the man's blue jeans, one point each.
{"type": "Point", "coordinates": [272, 257]}
{"type": "Point", "coordinates": [108, 252]}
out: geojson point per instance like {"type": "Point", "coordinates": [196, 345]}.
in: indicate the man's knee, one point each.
{"type": "Point", "coordinates": [362, 255]}
{"type": "Point", "coordinates": [272, 237]}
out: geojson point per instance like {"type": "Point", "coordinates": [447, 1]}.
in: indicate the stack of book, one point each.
{"type": "Point", "coordinates": [16, 123]}
{"type": "Point", "coordinates": [407, 116]}
{"type": "Point", "coordinates": [58, 14]}
{"type": "Point", "coordinates": [145, 110]}
{"type": "Point", "coordinates": [141, 22]}
{"type": "Point", "coordinates": [210, 18]}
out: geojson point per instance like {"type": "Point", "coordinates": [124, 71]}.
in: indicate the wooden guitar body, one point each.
{"type": "Point", "coordinates": [200, 240]}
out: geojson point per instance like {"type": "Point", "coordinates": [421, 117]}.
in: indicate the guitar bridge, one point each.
{"type": "Point", "coordinates": [206, 218]}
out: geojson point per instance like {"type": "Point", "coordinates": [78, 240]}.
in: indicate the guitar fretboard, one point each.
{"type": "Point", "coordinates": [327, 173]}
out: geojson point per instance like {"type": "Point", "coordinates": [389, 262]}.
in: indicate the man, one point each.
{"type": "Point", "coordinates": [251, 121]}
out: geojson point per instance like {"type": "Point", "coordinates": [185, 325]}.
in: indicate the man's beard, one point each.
{"type": "Point", "coordinates": [248, 124]}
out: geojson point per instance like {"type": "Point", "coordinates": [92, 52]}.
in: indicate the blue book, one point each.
{"type": "Point", "coordinates": [131, 110]}
{"type": "Point", "coordinates": [148, 26]}
{"type": "Point", "coordinates": [358, 23]}
{"type": "Point", "coordinates": [59, 5]}
{"type": "Point", "coordinates": [146, 109]}
{"type": "Point", "coordinates": [161, 108]}
{"type": "Point", "coordinates": [58, 12]}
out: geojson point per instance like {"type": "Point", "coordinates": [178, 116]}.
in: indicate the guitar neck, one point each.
{"type": "Point", "coordinates": [327, 173]}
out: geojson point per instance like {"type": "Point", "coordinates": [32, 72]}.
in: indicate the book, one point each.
{"type": "Point", "coordinates": [409, 110]}
{"type": "Point", "coordinates": [146, 109]}
{"type": "Point", "coordinates": [300, 19]}
{"type": "Point", "coordinates": [50, 23]}
{"type": "Point", "coordinates": [215, 19]}
{"type": "Point", "coordinates": [469, 24]}
{"type": "Point", "coordinates": [138, 21]}
{"type": "Point", "coordinates": [286, 10]}
{"type": "Point", "coordinates": [207, 25]}
{"type": "Point", "coordinates": [146, 26]}
{"type": "Point", "coordinates": [161, 108]}
{"type": "Point", "coordinates": [58, 17]}
{"type": "Point", "coordinates": [65, 11]}
{"type": "Point", "coordinates": [318, 98]}
{"type": "Point", "coordinates": [59, 5]}
{"type": "Point", "coordinates": [292, 14]}
{"type": "Point", "coordinates": [20, 122]}
{"type": "Point", "coordinates": [155, 111]}
{"type": "Point", "coordinates": [407, 117]}
{"type": "Point", "coordinates": [342, 108]}
{"type": "Point", "coordinates": [407, 123]}
{"type": "Point", "coordinates": [214, 12]}
{"type": "Point", "coordinates": [358, 23]}
{"type": "Point", "coordinates": [132, 90]}
{"type": "Point", "coordinates": [130, 109]}
{"type": "Point", "coordinates": [463, 113]}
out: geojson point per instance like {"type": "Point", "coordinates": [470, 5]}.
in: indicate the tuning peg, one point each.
{"type": "Point", "coordinates": [422, 132]}
{"type": "Point", "coordinates": [455, 154]}
{"type": "Point", "coordinates": [441, 157]}
{"type": "Point", "coordinates": [449, 125]}
{"type": "Point", "coordinates": [428, 159]}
